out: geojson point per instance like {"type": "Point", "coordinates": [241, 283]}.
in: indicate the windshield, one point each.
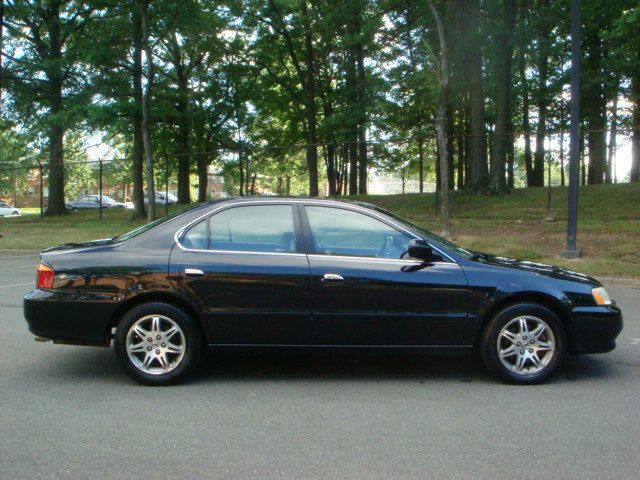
{"type": "Point", "coordinates": [432, 236]}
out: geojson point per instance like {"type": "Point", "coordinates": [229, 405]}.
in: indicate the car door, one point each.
{"type": "Point", "coordinates": [4, 209]}
{"type": "Point", "coordinates": [244, 264]}
{"type": "Point", "coordinates": [364, 293]}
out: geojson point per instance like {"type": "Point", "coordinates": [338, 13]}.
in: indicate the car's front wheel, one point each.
{"type": "Point", "coordinates": [523, 343]}
{"type": "Point", "coordinates": [157, 343]}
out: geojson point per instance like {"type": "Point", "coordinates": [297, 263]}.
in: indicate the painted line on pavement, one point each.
{"type": "Point", "coordinates": [16, 268]}
{"type": "Point", "coordinates": [16, 285]}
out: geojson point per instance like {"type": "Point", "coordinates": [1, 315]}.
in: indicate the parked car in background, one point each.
{"type": "Point", "coordinates": [162, 198]}
{"type": "Point", "coordinates": [6, 209]}
{"type": "Point", "coordinates": [93, 201]}
{"type": "Point", "coordinates": [290, 272]}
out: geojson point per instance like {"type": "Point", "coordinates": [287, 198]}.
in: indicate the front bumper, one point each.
{"type": "Point", "coordinates": [78, 318]}
{"type": "Point", "coordinates": [595, 329]}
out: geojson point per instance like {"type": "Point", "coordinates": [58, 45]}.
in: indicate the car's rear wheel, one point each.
{"type": "Point", "coordinates": [15, 213]}
{"type": "Point", "coordinates": [157, 343]}
{"type": "Point", "coordinates": [523, 343]}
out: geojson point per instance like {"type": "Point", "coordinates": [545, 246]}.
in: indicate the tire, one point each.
{"type": "Point", "coordinates": [15, 213]}
{"type": "Point", "coordinates": [153, 360]}
{"type": "Point", "coordinates": [512, 350]}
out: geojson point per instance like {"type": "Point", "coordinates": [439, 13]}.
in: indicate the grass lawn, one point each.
{"type": "Point", "coordinates": [512, 225]}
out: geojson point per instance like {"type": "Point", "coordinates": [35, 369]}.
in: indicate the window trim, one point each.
{"type": "Point", "coordinates": [179, 235]}
{"type": "Point", "coordinates": [311, 249]}
{"type": "Point", "coordinates": [303, 231]}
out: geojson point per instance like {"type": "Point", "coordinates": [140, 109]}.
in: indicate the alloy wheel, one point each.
{"type": "Point", "coordinates": [155, 344]}
{"type": "Point", "coordinates": [526, 345]}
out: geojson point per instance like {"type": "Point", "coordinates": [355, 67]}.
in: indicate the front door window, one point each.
{"type": "Point", "coordinates": [337, 231]}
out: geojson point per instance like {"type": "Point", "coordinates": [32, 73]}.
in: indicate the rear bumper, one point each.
{"type": "Point", "coordinates": [79, 318]}
{"type": "Point", "coordinates": [595, 329]}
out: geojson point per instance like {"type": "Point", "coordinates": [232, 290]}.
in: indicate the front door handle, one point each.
{"type": "Point", "coordinates": [332, 278]}
{"type": "Point", "coordinates": [193, 272]}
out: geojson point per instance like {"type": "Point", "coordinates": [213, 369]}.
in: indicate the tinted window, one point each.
{"type": "Point", "coordinates": [197, 237]}
{"type": "Point", "coordinates": [252, 228]}
{"type": "Point", "coordinates": [337, 231]}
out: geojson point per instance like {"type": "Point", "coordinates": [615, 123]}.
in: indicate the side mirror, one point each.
{"type": "Point", "coordinates": [419, 249]}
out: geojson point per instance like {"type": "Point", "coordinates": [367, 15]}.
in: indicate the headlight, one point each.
{"type": "Point", "coordinates": [601, 296]}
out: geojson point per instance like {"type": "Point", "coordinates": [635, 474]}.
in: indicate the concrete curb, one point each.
{"type": "Point", "coordinates": [621, 282]}
{"type": "Point", "coordinates": [10, 252]}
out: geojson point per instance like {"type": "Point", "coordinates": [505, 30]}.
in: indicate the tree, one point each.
{"type": "Point", "coordinates": [477, 154]}
{"type": "Point", "coordinates": [287, 55]}
{"type": "Point", "coordinates": [143, 6]}
{"type": "Point", "coordinates": [46, 42]}
{"type": "Point", "coordinates": [503, 134]}
{"type": "Point", "coordinates": [440, 123]}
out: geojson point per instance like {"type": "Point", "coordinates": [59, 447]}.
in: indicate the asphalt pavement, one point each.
{"type": "Point", "coordinates": [69, 412]}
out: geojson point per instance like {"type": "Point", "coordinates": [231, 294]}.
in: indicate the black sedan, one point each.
{"type": "Point", "coordinates": [277, 272]}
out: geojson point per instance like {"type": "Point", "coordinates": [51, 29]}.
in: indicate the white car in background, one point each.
{"type": "Point", "coordinates": [6, 210]}
{"type": "Point", "coordinates": [162, 198]}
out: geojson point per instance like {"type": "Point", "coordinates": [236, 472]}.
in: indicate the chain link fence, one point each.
{"type": "Point", "coordinates": [393, 168]}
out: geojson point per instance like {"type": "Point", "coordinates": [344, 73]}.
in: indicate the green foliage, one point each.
{"type": "Point", "coordinates": [243, 75]}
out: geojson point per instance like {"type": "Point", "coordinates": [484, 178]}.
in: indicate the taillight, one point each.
{"type": "Point", "coordinates": [44, 276]}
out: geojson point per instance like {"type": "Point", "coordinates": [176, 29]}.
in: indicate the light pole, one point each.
{"type": "Point", "coordinates": [574, 141]}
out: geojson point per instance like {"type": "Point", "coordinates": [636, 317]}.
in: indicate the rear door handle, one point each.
{"type": "Point", "coordinates": [332, 278]}
{"type": "Point", "coordinates": [193, 272]}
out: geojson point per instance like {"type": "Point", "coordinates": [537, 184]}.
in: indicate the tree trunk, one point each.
{"type": "Point", "coordinates": [441, 125]}
{"type": "Point", "coordinates": [450, 145]}
{"type": "Point", "coordinates": [331, 169]}
{"type": "Point", "coordinates": [582, 159]}
{"type": "Point", "coordinates": [146, 122]}
{"type": "Point", "coordinates": [609, 172]}
{"type": "Point", "coordinates": [562, 127]}
{"type": "Point", "coordinates": [56, 204]}
{"type": "Point", "coordinates": [184, 157]}
{"type": "Point", "coordinates": [522, 70]}
{"type": "Point", "coordinates": [330, 153]}
{"type": "Point", "coordinates": [202, 162]}
{"type": "Point", "coordinates": [247, 176]}
{"type": "Point", "coordinates": [253, 184]}
{"type": "Point", "coordinates": [596, 141]}
{"type": "Point", "coordinates": [510, 157]}
{"type": "Point", "coordinates": [467, 145]}
{"type": "Point", "coordinates": [502, 135]}
{"type": "Point", "coordinates": [363, 161]}
{"type": "Point", "coordinates": [310, 105]}
{"type": "Point", "coordinates": [477, 154]}
{"type": "Point", "coordinates": [594, 107]}
{"type": "Point", "coordinates": [138, 142]}
{"type": "Point", "coordinates": [461, 152]}
{"type": "Point", "coordinates": [634, 174]}
{"type": "Point", "coordinates": [241, 173]}
{"type": "Point", "coordinates": [421, 163]}
{"type": "Point", "coordinates": [544, 40]}
{"type": "Point", "coordinates": [2, 58]}
{"type": "Point", "coordinates": [353, 166]}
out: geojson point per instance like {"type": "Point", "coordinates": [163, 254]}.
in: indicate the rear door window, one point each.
{"type": "Point", "coordinates": [249, 228]}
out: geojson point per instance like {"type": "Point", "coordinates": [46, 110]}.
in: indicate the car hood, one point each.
{"type": "Point", "coordinates": [76, 245]}
{"type": "Point", "coordinates": [559, 273]}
